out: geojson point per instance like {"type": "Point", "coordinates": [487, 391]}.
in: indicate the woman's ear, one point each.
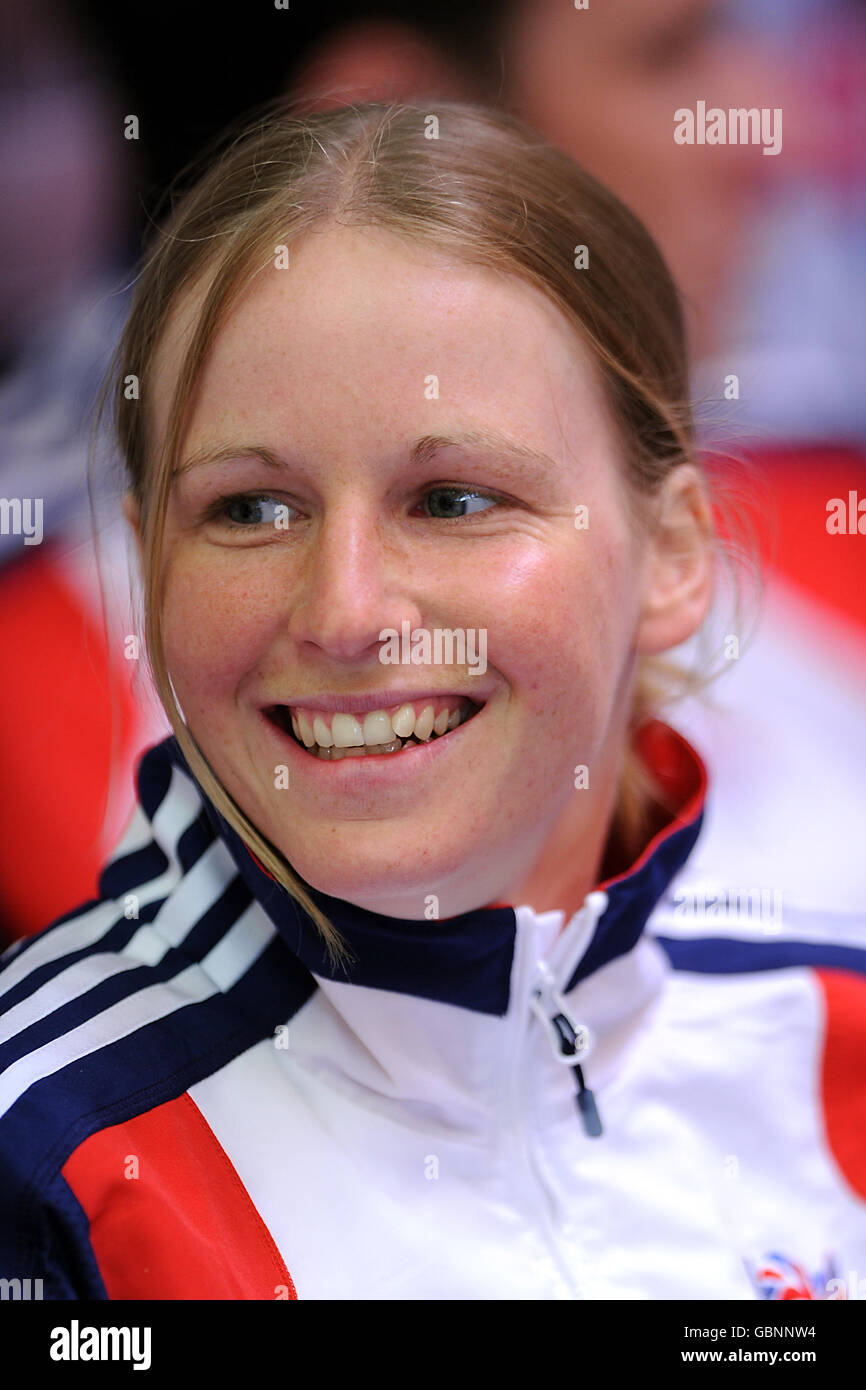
{"type": "Point", "coordinates": [678, 580]}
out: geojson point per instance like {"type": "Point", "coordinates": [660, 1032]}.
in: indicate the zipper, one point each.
{"type": "Point", "coordinates": [571, 1041]}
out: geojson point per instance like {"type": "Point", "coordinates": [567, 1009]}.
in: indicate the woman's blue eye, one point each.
{"type": "Point", "coordinates": [246, 510]}
{"type": "Point", "coordinates": [462, 494]}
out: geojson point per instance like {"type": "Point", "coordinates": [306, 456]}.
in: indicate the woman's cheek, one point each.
{"type": "Point", "coordinates": [566, 644]}
{"type": "Point", "coordinates": [553, 611]}
{"type": "Point", "coordinates": [217, 620]}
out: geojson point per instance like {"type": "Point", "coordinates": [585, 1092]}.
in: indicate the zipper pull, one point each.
{"type": "Point", "coordinates": [571, 1041]}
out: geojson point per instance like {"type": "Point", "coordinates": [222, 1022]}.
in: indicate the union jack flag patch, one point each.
{"type": "Point", "coordinates": [776, 1277]}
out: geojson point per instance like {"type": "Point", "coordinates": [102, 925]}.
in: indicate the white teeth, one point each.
{"type": "Point", "coordinates": [424, 724]}
{"type": "Point", "coordinates": [322, 732]}
{"type": "Point", "coordinates": [403, 722]}
{"type": "Point", "coordinates": [377, 731]}
{"type": "Point", "coordinates": [347, 731]}
{"type": "Point", "coordinates": [440, 723]}
{"type": "Point", "coordinates": [305, 730]}
{"type": "Point", "coordinates": [377, 728]}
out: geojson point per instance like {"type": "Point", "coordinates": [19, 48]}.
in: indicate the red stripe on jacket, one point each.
{"type": "Point", "coordinates": [843, 1072]}
{"type": "Point", "coordinates": [169, 1216]}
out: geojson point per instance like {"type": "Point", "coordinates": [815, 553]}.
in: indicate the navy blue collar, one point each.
{"type": "Point", "coordinates": [466, 960]}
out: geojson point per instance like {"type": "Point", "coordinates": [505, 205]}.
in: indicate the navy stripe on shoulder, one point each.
{"type": "Point", "coordinates": [106, 989]}
{"type": "Point", "coordinates": [725, 955]}
{"type": "Point", "coordinates": [115, 1013]}
{"type": "Point", "coordinates": [133, 886]}
{"type": "Point", "coordinates": [151, 1064]}
{"type": "Point", "coordinates": [113, 941]}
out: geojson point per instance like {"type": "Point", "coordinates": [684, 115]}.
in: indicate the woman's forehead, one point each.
{"type": "Point", "coordinates": [357, 324]}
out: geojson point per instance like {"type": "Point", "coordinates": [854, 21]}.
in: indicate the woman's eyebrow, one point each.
{"type": "Point", "coordinates": [483, 440]}
{"type": "Point", "coordinates": [211, 453]}
{"type": "Point", "coordinates": [421, 452]}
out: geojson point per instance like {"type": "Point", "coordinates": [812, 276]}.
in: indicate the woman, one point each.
{"type": "Point", "coordinates": [377, 999]}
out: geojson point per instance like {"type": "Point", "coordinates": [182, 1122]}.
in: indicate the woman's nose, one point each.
{"type": "Point", "coordinates": [352, 584]}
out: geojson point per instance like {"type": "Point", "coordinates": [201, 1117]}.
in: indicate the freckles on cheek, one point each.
{"type": "Point", "coordinates": [558, 622]}
{"type": "Point", "coordinates": [540, 605]}
{"type": "Point", "coordinates": [216, 621]}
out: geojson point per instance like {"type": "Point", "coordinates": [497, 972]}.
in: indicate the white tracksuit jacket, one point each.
{"type": "Point", "coordinates": [193, 1104]}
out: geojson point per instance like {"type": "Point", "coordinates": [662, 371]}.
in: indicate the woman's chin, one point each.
{"type": "Point", "coordinates": [391, 879]}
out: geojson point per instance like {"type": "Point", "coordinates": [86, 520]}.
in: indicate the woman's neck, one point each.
{"type": "Point", "coordinates": [578, 851]}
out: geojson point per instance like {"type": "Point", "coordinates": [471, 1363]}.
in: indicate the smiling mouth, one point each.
{"type": "Point", "coordinates": [281, 716]}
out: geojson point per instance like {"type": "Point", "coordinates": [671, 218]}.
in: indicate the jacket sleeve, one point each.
{"type": "Point", "coordinates": [45, 1249]}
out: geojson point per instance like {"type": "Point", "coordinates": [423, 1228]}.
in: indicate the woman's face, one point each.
{"type": "Point", "coordinates": [333, 369]}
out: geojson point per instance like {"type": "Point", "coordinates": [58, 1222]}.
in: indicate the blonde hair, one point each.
{"type": "Point", "coordinates": [488, 190]}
